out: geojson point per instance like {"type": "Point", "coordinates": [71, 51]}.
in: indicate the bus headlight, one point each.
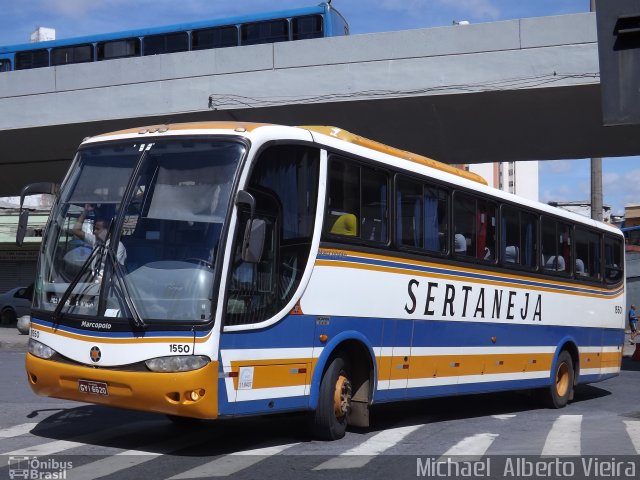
{"type": "Point", "coordinates": [40, 349]}
{"type": "Point", "coordinates": [178, 363]}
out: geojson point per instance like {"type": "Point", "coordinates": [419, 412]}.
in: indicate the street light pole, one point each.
{"type": "Point", "coordinates": [596, 172]}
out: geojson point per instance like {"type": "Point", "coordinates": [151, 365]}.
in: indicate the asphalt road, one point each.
{"type": "Point", "coordinates": [603, 421]}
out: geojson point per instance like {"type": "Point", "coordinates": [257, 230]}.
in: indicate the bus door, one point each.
{"type": "Point", "coordinates": [267, 340]}
{"type": "Point", "coordinates": [395, 357]}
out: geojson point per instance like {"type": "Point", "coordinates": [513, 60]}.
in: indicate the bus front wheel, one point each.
{"type": "Point", "coordinates": [561, 389]}
{"type": "Point", "coordinates": [334, 402]}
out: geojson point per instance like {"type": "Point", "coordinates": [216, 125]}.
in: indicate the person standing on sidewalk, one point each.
{"type": "Point", "coordinates": [633, 321]}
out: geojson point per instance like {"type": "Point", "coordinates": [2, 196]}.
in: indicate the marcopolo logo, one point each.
{"type": "Point", "coordinates": [34, 468]}
{"type": "Point", "coordinates": [96, 325]}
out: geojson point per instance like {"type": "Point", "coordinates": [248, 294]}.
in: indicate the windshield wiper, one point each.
{"type": "Point", "coordinates": [136, 318]}
{"type": "Point", "coordinates": [76, 280]}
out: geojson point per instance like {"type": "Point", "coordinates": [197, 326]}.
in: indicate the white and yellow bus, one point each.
{"type": "Point", "coordinates": [222, 269]}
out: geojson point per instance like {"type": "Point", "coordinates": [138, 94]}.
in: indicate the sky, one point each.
{"type": "Point", "coordinates": [562, 180]}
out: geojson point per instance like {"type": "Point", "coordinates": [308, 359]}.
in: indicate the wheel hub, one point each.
{"type": "Point", "coordinates": [562, 380]}
{"type": "Point", "coordinates": [342, 397]}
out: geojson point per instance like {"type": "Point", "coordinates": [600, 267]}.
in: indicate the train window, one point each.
{"type": "Point", "coordinates": [32, 59]}
{"type": "Point", "coordinates": [264, 32]}
{"type": "Point", "coordinates": [5, 65]}
{"type": "Point", "coordinates": [166, 43]}
{"type": "Point", "coordinates": [73, 54]}
{"type": "Point", "coordinates": [127, 47]}
{"type": "Point", "coordinates": [309, 26]}
{"type": "Point", "coordinates": [214, 38]}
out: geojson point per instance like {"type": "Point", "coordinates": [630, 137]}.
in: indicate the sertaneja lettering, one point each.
{"type": "Point", "coordinates": [501, 304]}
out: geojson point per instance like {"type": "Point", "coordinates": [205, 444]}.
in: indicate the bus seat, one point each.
{"type": "Point", "coordinates": [512, 254]}
{"type": "Point", "coordinates": [551, 263]}
{"type": "Point", "coordinates": [460, 243]}
{"type": "Point", "coordinates": [580, 267]}
{"type": "Point", "coordinates": [346, 224]}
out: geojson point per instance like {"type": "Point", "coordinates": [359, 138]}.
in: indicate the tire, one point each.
{"type": "Point", "coordinates": [561, 389]}
{"type": "Point", "coordinates": [8, 316]}
{"type": "Point", "coordinates": [334, 402]}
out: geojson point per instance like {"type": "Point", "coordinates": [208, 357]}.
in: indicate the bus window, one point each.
{"type": "Point", "coordinates": [309, 26]}
{"type": "Point", "coordinates": [587, 255]}
{"type": "Point", "coordinates": [129, 47]}
{"type": "Point", "coordinates": [374, 205]}
{"type": "Point", "coordinates": [5, 65]}
{"type": "Point", "coordinates": [436, 208]}
{"type": "Point", "coordinates": [74, 54]}
{"type": "Point", "coordinates": [32, 59]}
{"type": "Point", "coordinates": [475, 227]}
{"type": "Point", "coordinates": [343, 201]}
{"type": "Point", "coordinates": [556, 246]}
{"type": "Point", "coordinates": [613, 267]}
{"type": "Point", "coordinates": [285, 185]}
{"type": "Point", "coordinates": [421, 216]}
{"type": "Point", "coordinates": [518, 243]}
{"type": "Point", "coordinates": [214, 38]}
{"type": "Point", "coordinates": [167, 43]}
{"type": "Point", "coordinates": [264, 32]}
{"type": "Point", "coordinates": [409, 217]}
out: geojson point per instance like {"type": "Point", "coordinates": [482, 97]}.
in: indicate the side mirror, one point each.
{"type": "Point", "coordinates": [31, 189]}
{"type": "Point", "coordinates": [253, 242]}
{"type": "Point", "coordinates": [255, 232]}
{"type": "Point", "coordinates": [23, 221]}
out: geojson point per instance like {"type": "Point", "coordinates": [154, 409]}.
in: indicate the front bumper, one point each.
{"type": "Point", "coordinates": [168, 393]}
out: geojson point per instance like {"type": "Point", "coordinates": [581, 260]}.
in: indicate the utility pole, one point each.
{"type": "Point", "coordinates": [596, 173]}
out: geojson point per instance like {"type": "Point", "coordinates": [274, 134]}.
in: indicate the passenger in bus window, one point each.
{"type": "Point", "coordinates": [99, 235]}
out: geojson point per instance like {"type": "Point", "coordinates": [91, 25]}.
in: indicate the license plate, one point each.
{"type": "Point", "coordinates": [95, 388]}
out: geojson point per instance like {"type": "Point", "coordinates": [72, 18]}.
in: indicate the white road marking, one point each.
{"type": "Point", "coordinates": [470, 448]}
{"type": "Point", "coordinates": [132, 458]}
{"type": "Point", "coordinates": [564, 437]}
{"type": "Point", "coordinates": [56, 446]}
{"type": "Point", "coordinates": [633, 429]}
{"type": "Point", "coordinates": [503, 417]}
{"type": "Point", "coordinates": [362, 454]}
{"type": "Point", "coordinates": [17, 430]}
{"type": "Point", "coordinates": [232, 463]}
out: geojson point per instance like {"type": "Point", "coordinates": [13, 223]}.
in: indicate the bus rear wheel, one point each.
{"type": "Point", "coordinates": [334, 402]}
{"type": "Point", "coordinates": [561, 389]}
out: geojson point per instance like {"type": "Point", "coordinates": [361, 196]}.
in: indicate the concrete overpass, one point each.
{"type": "Point", "coordinates": [514, 90]}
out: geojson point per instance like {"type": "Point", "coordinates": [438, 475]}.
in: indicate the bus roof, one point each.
{"type": "Point", "coordinates": [362, 142]}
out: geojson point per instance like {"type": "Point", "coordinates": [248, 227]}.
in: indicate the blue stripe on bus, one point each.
{"type": "Point", "coordinates": [463, 274]}
{"type": "Point", "coordinates": [299, 331]}
{"type": "Point", "coordinates": [108, 334]}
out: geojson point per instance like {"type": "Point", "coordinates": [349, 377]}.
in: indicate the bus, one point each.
{"type": "Point", "coordinates": [294, 24]}
{"type": "Point", "coordinates": [209, 270]}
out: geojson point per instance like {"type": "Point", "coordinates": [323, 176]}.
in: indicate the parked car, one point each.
{"type": "Point", "coordinates": [15, 303]}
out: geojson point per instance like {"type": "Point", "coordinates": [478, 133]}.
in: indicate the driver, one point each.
{"type": "Point", "coordinates": [98, 236]}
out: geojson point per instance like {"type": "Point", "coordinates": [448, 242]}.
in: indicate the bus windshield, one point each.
{"type": "Point", "coordinates": [136, 231]}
